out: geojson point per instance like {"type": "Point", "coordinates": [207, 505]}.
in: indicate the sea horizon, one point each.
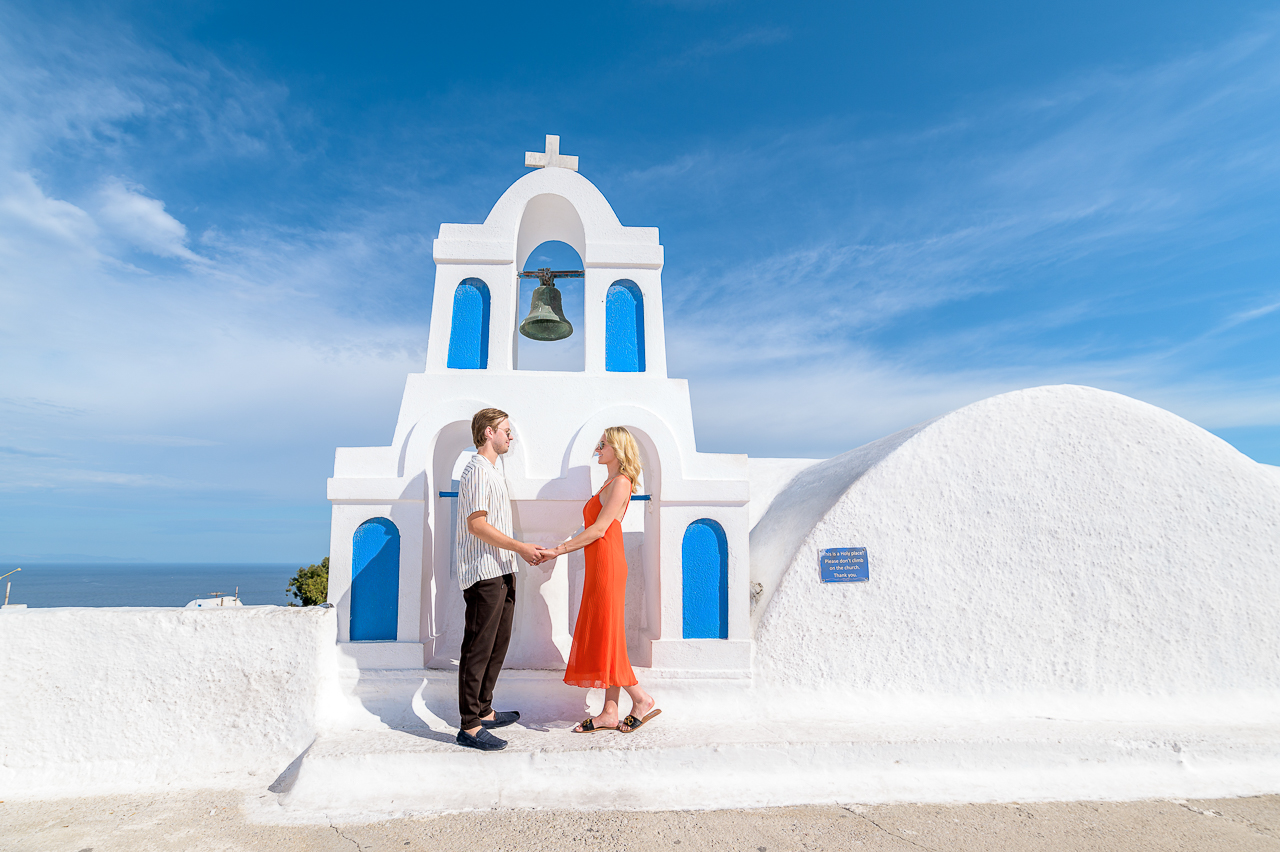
{"type": "Point", "coordinates": [149, 584]}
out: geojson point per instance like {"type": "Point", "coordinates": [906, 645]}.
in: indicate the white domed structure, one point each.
{"type": "Point", "coordinates": [1059, 544]}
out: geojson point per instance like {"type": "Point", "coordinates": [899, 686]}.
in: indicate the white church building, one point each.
{"type": "Point", "coordinates": [686, 532]}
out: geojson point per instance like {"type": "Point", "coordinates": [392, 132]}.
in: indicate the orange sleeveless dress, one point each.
{"type": "Point", "coordinates": [598, 657]}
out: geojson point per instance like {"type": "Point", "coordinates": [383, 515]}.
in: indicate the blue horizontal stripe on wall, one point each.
{"type": "Point", "coordinates": [645, 497]}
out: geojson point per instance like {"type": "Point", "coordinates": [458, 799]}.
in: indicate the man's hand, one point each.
{"type": "Point", "coordinates": [528, 552]}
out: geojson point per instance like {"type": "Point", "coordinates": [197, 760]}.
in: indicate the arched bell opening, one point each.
{"type": "Point", "coordinates": [567, 354]}
{"type": "Point", "coordinates": [469, 330]}
{"type": "Point", "coordinates": [704, 557]}
{"type": "Point", "coordinates": [375, 581]}
{"type": "Point", "coordinates": [624, 328]}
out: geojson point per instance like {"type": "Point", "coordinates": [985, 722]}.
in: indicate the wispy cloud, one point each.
{"type": "Point", "coordinates": [734, 43]}
{"type": "Point", "coordinates": [690, 4]}
{"type": "Point", "coordinates": [1148, 174]}
{"type": "Point", "coordinates": [1248, 316]}
{"type": "Point", "coordinates": [161, 440]}
{"type": "Point", "coordinates": [86, 85]}
{"type": "Point", "coordinates": [30, 454]}
{"type": "Point", "coordinates": [31, 406]}
{"type": "Point", "coordinates": [125, 332]}
{"type": "Point", "coordinates": [17, 480]}
{"type": "Point", "coordinates": [126, 210]}
{"type": "Point", "coordinates": [1105, 165]}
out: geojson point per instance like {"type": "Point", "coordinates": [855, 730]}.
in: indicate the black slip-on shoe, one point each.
{"type": "Point", "coordinates": [482, 740]}
{"type": "Point", "coordinates": [501, 719]}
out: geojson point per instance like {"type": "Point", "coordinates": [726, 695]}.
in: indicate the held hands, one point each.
{"type": "Point", "coordinates": [535, 555]}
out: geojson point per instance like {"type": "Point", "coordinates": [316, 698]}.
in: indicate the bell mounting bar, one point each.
{"type": "Point", "coordinates": [548, 276]}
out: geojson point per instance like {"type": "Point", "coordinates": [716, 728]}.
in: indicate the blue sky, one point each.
{"type": "Point", "coordinates": [216, 224]}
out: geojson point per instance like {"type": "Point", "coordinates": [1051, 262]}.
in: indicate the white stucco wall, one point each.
{"type": "Point", "coordinates": [1050, 548]}
{"type": "Point", "coordinates": [768, 477]}
{"type": "Point", "coordinates": [107, 700]}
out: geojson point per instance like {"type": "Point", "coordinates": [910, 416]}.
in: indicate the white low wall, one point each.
{"type": "Point", "coordinates": [107, 700]}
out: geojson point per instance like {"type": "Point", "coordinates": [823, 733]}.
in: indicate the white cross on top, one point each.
{"type": "Point", "coordinates": [551, 159]}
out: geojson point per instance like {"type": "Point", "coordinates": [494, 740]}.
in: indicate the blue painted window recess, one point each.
{"type": "Point", "coordinates": [704, 555]}
{"type": "Point", "coordinates": [469, 333]}
{"type": "Point", "coordinates": [624, 328]}
{"type": "Point", "coordinates": [375, 581]}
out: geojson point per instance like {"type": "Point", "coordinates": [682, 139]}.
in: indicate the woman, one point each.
{"type": "Point", "coordinates": [599, 654]}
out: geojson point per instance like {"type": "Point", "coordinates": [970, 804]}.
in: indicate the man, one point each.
{"type": "Point", "coordinates": [487, 574]}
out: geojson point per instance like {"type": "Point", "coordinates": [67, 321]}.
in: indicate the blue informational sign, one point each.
{"type": "Point", "coordinates": [844, 565]}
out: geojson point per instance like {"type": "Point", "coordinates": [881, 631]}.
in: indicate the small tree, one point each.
{"type": "Point", "coordinates": [311, 584]}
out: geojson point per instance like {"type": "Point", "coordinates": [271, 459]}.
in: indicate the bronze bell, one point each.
{"type": "Point", "coordinates": [546, 316]}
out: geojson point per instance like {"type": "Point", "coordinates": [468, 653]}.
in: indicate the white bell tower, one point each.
{"type": "Point", "coordinates": [686, 532]}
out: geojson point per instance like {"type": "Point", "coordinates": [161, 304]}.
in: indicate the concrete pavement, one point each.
{"type": "Point", "coordinates": [223, 821]}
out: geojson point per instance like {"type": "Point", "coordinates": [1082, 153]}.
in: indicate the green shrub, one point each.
{"type": "Point", "coordinates": [311, 584]}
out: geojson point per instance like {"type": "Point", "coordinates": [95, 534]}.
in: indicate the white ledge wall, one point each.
{"type": "Point", "coordinates": [109, 700]}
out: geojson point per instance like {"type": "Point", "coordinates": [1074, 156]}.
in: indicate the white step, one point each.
{"type": "Point", "coordinates": [687, 761]}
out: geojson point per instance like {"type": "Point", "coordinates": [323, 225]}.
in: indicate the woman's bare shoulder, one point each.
{"type": "Point", "coordinates": [620, 485]}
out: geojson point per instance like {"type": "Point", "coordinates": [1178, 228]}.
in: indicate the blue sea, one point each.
{"type": "Point", "coordinates": [145, 584]}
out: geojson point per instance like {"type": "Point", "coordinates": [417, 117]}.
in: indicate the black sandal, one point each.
{"type": "Point", "coordinates": [633, 723]}
{"type": "Point", "coordinates": [588, 726]}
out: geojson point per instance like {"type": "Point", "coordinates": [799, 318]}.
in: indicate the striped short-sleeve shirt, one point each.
{"type": "Point", "coordinates": [482, 488]}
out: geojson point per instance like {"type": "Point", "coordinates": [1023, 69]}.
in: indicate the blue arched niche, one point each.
{"type": "Point", "coordinates": [469, 332]}
{"type": "Point", "coordinates": [704, 556]}
{"type": "Point", "coordinates": [375, 580]}
{"type": "Point", "coordinates": [624, 328]}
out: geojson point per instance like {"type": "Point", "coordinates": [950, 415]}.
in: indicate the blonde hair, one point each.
{"type": "Point", "coordinates": [628, 453]}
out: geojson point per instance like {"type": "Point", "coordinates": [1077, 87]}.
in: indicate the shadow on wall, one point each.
{"type": "Point", "coordinates": [635, 620]}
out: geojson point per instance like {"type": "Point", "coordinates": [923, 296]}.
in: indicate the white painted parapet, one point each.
{"type": "Point", "coordinates": [109, 700]}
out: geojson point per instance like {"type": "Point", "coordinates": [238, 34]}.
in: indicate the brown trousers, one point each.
{"type": "Point", "coordinates": [491, 604]}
